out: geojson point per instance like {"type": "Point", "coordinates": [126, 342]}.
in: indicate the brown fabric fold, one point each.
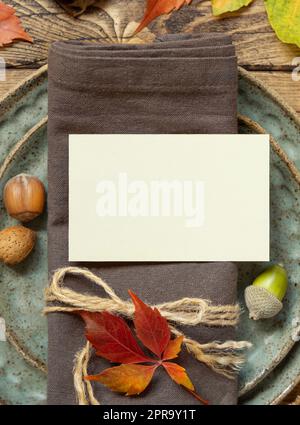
{"type": "Point", "coordinates": [180, 84]}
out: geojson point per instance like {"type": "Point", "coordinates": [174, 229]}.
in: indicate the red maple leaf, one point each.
{"type": "Point", "coordinates": [10, 26]}
{"type": "Point", "coordinates": [112, 339]}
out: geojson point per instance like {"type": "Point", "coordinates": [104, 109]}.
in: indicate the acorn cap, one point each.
{"type": "Point", "coordinates": [261, 303]}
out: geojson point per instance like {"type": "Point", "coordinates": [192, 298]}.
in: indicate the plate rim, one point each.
{"type": "Point", "coordinates": [279, 398]}
{"type": "Point", "coordinates": [289, 110]}
{"type": "Point", "coordinates": [14, 94]}
{"type": "Point", "coordinates": [8, 100]}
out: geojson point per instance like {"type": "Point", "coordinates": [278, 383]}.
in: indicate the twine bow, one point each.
{"type": "Point", "coordinates": [222, 357]}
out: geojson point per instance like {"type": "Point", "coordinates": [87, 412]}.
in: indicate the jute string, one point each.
{"type": "Point", "coordinates": [222, 357]}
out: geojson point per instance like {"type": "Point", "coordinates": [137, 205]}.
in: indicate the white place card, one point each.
{"type": "Point", "coordinates": [169, 197]}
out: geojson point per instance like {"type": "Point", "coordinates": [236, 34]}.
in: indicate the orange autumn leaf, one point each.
{"type": "Point", "coordinates": [173, 348]}
{"type": "Point", "coordinates": [10, 26]}
{"type": "Point", "coordinates": [155, 8]}
{"type": "Point", "coordinates": [113, 340]}
{"type": "Point", "coordinates": [179, 375]}
{"type": "Point", "coordinates": [131, 379]}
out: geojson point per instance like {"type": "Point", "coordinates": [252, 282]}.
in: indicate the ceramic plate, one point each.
{"type": "Point", "coordinates": [21, 288]}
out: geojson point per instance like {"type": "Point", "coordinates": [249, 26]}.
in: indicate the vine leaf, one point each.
{"type": "Point", "coordinates": [284, 17]}
{"type": "Point", "coordinates": [155, 8]}
{"type": "Point", "coordinates": [151, 328]}
{"type": "Point", "coordinates": [113, 340]}
{"type": "Point", "coordinates": [131, 379]}
{"type": "Point", "coordinates": [223, 6]}
{"type": "Point", "coordinates": [179, 375]}
{"type": "Point", "coordinates": [10, 26]}
{"type": "Point", "coordinates": [173, 348]}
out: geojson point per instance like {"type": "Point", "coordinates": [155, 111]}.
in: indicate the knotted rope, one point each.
{"type": "Point", "coordinates": [224, 358]}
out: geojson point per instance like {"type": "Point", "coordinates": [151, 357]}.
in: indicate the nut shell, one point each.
{"type": "Point", "coordinates": [16, 243]}
{"type": "Point", "coordinates": [261, 303]}
{"type": "Point", "coordinates": [274, 279]}
{"type": "Point", "coordinates": [24, 197]}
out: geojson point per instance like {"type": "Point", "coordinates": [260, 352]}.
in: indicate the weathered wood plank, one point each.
{"type": "Point", "coordinates": [284, 85]}
{"type": "Point", "coordinates": [257, 45]}
{"type": "Point", "coordinates": [295, 394]}
{"type": "Point", "coordinates": [13, 78]}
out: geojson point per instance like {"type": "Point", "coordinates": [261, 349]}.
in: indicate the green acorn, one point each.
{"type": "Point", "coordinates": [264, 297]}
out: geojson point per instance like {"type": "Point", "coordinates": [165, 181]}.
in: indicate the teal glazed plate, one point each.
{"type": "Point", "coordinates": [273, 364]}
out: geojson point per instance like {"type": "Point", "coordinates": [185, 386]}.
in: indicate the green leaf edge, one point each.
{"type": "Point", "coordinates": [225, 9]}
{"type": "Point", "coordinates": [288, 37]}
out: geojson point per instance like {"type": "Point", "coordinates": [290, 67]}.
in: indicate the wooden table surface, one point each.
{"type": "Point", "coordinates": [258, 49]}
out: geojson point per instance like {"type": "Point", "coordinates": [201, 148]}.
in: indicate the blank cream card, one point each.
{"type": "Point", "coordinates": [169, 197]}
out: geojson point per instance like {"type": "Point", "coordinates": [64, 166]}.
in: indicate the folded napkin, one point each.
{"type": "Point", "coordinates": [180, 84]}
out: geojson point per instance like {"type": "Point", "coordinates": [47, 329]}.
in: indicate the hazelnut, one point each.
{"type": "Point", "coordinates": [24, 197]}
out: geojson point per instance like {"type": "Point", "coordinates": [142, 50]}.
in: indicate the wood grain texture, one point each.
{"type": "Point", "coordinates": [257, 45]}
{"type": "Point", "coordinates": [284, 85]}
{"type": "Point", "coordinates": [293, 397]}
{"type": "Point", "coordinates": [13, 78]}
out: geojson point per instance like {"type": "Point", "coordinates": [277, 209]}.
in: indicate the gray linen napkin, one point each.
{"type": "Point", "coordinates": [180, 84]}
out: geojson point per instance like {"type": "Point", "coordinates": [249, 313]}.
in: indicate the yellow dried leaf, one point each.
{"type": "Point", "coordinates": [222, 6]}
{"type": "Point", "coordinates": [284, 16]}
